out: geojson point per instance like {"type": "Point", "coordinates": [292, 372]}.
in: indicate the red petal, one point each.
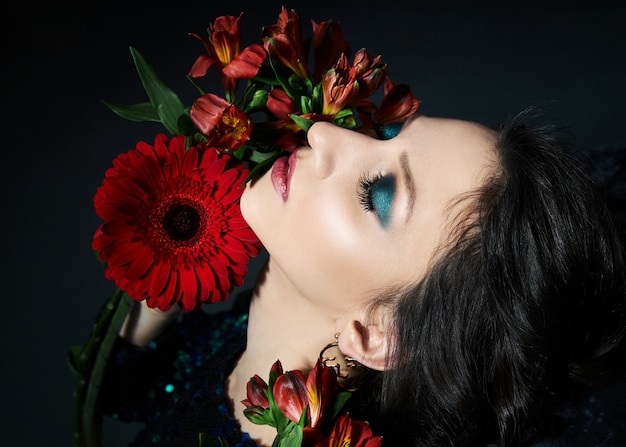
{"type": "Point", "coordinates": [290, 394]}
{"type": "Point", "coordinates": [170, 294]}
{"type": "Point", "coordinates": [159, 277]}
{"type": "Point", "coordinates": [201, 66]}
{"type": "Point", "coordinates": [313, 438]}
{"type": "Point", "coordinates": [140, 265]}
{"type": "Point", "coordinates": [247, 63]}
{"type": "Point", "coordinates": [256, 392]}
{"type": "Point", "coordinates": [280, 104]}
{"type": "Point", "coordinates": [190, 160]}
{"type": "Point", "coordinates": [320, 385]}
{"type": "Point", "coordinates": [188, 289]}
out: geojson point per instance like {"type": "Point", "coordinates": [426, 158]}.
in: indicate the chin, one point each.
{"type": "Point", "coordinates": [247, 205]}
{"type": "Point", "coordinates": [254, 207]}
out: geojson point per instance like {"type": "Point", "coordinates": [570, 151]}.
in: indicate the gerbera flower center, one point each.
{"type": "Point", "coordinates": [181, 221]}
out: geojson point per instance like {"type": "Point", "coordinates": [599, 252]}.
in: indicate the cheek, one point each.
{"type": "Point", "coordinates": [324, 226]}
{"type": "Point", "coordinates": [323, 241]}
{"type": "Point", "coordinates": [343, 254]}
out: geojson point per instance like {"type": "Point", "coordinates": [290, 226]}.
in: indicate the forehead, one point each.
{"type": "Point", "coordinates": [448, 159]}
{"type": "Point", "coordinates": [463, 138]}
{"type": "Point", "coordinates": [452, 154]}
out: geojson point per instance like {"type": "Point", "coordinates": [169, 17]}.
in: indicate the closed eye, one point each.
{"type": "Point", "coordinates": [376, 194]}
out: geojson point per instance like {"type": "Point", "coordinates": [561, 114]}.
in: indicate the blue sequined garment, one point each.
{"type": "Point", "coordinates": [175, 386]}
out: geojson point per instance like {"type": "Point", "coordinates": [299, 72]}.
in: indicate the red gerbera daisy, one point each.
{"type": "Point", "coordinates": [173, 230]}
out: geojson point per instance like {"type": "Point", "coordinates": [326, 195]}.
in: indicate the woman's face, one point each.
{"type": "Point", "coordinates": [352, 215]}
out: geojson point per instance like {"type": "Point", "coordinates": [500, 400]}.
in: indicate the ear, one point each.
{"type": "Point", "coordinates": [367, 344]}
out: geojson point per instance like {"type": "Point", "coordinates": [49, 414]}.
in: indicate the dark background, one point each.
{"type": "Point", "coordinates": [472, 60]}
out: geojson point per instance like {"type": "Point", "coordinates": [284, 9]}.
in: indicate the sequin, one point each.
{"type": "Point", "coordinates": [176, 384]}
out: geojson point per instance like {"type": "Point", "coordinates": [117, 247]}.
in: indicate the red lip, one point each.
{"type": "Point", "coordinates": [282, 170]}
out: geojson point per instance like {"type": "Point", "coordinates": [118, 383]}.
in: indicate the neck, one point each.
{"type": "Point", "coordinates": [283, 325]}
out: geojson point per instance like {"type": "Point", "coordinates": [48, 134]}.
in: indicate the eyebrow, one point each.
{"type": "Point", "coordinates": [408, 182]}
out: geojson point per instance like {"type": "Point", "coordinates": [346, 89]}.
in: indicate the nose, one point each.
{"type": "Point", "coordinates": [333, 147]}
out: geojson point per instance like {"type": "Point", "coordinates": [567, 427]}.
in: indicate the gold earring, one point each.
{"type": "Point", "coordinates": [346, 368]}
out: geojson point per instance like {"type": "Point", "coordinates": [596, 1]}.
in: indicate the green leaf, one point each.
{"type": "Point", "coordinates": [304, 416]}
{"type": "Point", "coordinates": [285, 83]}
{"type": "Point", "coordinates": [266, 76]}
{"type": "Point", "coordinates": [306, 105]}
{"type": "Point", "coordinates": [280, 421]}
{"type": "Point", "coordinates": [265, 157]}
{"type": "Point", "coordinates": [346, 121]}
{"type": "Point", "coordinates": [259, 415]}
{"type": "Point", "coordinates": [167, 104]}
{"type": "Point", "coordinates": [291, 436]}
{"type": "Point", "coordinates": [196, 85]}
{"type": "Point", "coordinates": [257, 101]}
{"type": "Point", "coordinates": [252, 86]}
{"type": "Point", "coordinates": [317, 98]}
{"type": "Point", "coordinates": [186, 126]}
{"type": "Point", "coordinates": [304, 123]}
{"type": "Point", "coordinates": [206, 441]}
{"type": "Point", "coordinates": [342, 114]}
{"type": "Point", "coordinates": [250, 154]}
{"type": "Point", "coordinates": [338, 402]}
{"type": "Point", "coordinates": [302, 86]}
{"type": "Point", "coordinates": [263, 166]}
{"type": "Point", "coordinates": [137, 112]}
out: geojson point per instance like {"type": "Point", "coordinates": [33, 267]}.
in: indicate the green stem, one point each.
{"type": "Point", "coordinates": [82, 359]}
{"type": "Point", "coordinates": [88, 419]}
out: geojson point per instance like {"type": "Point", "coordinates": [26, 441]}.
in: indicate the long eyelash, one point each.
{"type": "Point", "coordinates": [364, 191]}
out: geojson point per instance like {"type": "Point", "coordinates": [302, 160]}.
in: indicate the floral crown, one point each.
{"type": "Point", "coordinates": [173, 234]}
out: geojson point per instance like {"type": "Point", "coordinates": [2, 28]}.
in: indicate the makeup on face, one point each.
{"type": "Point", "coordinates": [377, 195]}
{"type": "Point", "coordinates": [282, 170]}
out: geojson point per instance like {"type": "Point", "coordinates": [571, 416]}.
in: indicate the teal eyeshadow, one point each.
{"type": "Point", "coordinates": [383, 193]}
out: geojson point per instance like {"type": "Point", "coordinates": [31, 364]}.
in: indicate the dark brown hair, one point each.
{"type": "Point", "coordinates": [529, 298]}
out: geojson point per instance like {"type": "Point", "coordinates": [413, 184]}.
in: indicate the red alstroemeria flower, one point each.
{"type": "Point", "coordinates": [290, 141]}
{"type": "Point", "coordinates": [256, 393]}
{"type": "Point", "coordinates": [223, 47]}
{"type": "Point", "coordinates": [328, 46]}
{"type": "Point", "coordinates": [345, 85]}
{"type": "Point", "coordinates": [369, 72]}
{"type": "Point", "coordinates": [283, 41]}
{"type": "Point", "coordinates": [346, 433]}
{"type": "Point", "coordinates": [256, 388]}
{"type": "Point", "coordinates": [339, 87]}
{"type": "Point", "coordinates": [320, 385]}
{"type": "Point", "coordinates": [352, 433]}
{"type": "Point", "coordinates": [173, 231]}
{"type": "Point", "coordinates": [290, 136]}
{"type": "Point", "coordinates": [225, 126]}
{"type": "Point", "coordinates": [397, 106]}
{"type": "Point", "coordinates": [291, 394]}
{"type": "Point", "coordinates": [312, 437]}
{"type": "Point", "coordinates": [281, 104]}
